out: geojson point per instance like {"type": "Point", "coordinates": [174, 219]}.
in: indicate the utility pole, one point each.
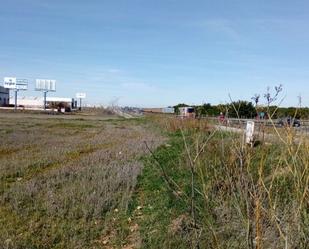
{"type": "Point", "coordinates": [45, 86]}
{"type": "Point", "coordinates": [45, 93]}
{"type": "Point", "coordinates": [80, 96]}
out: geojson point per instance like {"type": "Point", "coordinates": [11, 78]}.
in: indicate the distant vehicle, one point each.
{"type": "Point", "coordinates": [222, 118]}
{"type": "Point", "coordinates": [289, 122]}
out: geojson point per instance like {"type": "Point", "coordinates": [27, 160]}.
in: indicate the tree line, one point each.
{"type": "Point", "coordinates": [247, 109]}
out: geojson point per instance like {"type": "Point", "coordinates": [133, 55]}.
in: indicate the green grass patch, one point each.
{"type": "Point", "coordinates": [154, 206]}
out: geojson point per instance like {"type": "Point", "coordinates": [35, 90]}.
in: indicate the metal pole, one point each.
{"type": "Point", "coordinates": [15, 99]}
{"type": "Point", "coordinates": [80, 103]}
{"type": "Point", "coordinates": [45, 92]}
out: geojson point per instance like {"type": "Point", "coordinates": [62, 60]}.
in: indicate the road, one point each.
{"type": "Point", "coordinates": [298, 138]}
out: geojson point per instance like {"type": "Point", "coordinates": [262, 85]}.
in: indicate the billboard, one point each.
{"type": "Point", "coordinates": [80, 95]}
{"type": "Point", "coordinates": [9, 82]}
{"type": "Point", "coordinates": [45, 85]}
{"type": "Point", "coordinates": [22, 84]}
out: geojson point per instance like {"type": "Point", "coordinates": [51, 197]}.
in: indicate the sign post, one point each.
{"type": "Point", "coordinates": [80, 96]}
{"type": "Point", "coordinates": [45, 86]}
{"type": "Point", "coordinates": [45, 93]}
{"type": "Point", "coordinates": [16, 85]}
{"type": "Point", "coordinates": [250, 133]}
{"type": "Point", "coordinates": [21, 85]}
{"type": "Point", "coordinates": [15, 105]}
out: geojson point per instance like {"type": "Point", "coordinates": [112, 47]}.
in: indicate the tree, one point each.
{"type": "Point", "coordinates": [242, 109]}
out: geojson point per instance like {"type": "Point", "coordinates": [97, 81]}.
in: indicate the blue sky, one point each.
{"type": "Point", "coordinates": [158, 52]}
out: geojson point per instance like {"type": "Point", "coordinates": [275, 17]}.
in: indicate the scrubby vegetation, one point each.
{"type": "Point", "coordinates": [154, 182]}
{"type": "Point", "coordinates": [207, 189]}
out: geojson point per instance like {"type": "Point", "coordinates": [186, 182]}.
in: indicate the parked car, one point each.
{"type": "Point", "coordinates": [289, 122]}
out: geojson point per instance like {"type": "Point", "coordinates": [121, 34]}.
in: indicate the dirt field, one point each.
{"type": "Point", "coordinates": [60, 176]}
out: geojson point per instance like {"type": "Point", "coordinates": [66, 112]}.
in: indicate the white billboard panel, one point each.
{"type": "Point", "coordinates": [9, 82]}
{"type": "Point", "coordinates": [22, 84]}
{"type": "Point", "coordinates": [45, 85]}
{"type": "Point", "coordinates": [80, 95]}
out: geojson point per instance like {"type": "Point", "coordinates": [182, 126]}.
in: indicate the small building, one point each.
{"type": "Point", "coordinates": [4, 96]}
{"type": "Point", "coordinates": [187, 112]}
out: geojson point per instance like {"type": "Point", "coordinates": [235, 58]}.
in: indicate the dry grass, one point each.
{"type": "Point", "coordinates": [67, 183]}
{"type": "Point", "coordinates": [172, 123]}
{"type": "Point", "coordinates": [253, 197]}
{"type": "Point", "coordinates": [235, 196]}
{"type": "Point", "coordinates": [60, 178]}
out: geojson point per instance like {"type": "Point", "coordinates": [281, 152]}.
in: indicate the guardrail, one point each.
{"type": "Point", "coordinates": [241, 123]}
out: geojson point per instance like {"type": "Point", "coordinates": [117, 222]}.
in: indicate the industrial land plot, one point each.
{"type": "Point", "coordinates": [62, 175]}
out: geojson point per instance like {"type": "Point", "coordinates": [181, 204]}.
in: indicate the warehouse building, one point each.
{"type": "Point", "coordinates": [4, 96]}
{"type": "Point", "coordinates": [51, 102]}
